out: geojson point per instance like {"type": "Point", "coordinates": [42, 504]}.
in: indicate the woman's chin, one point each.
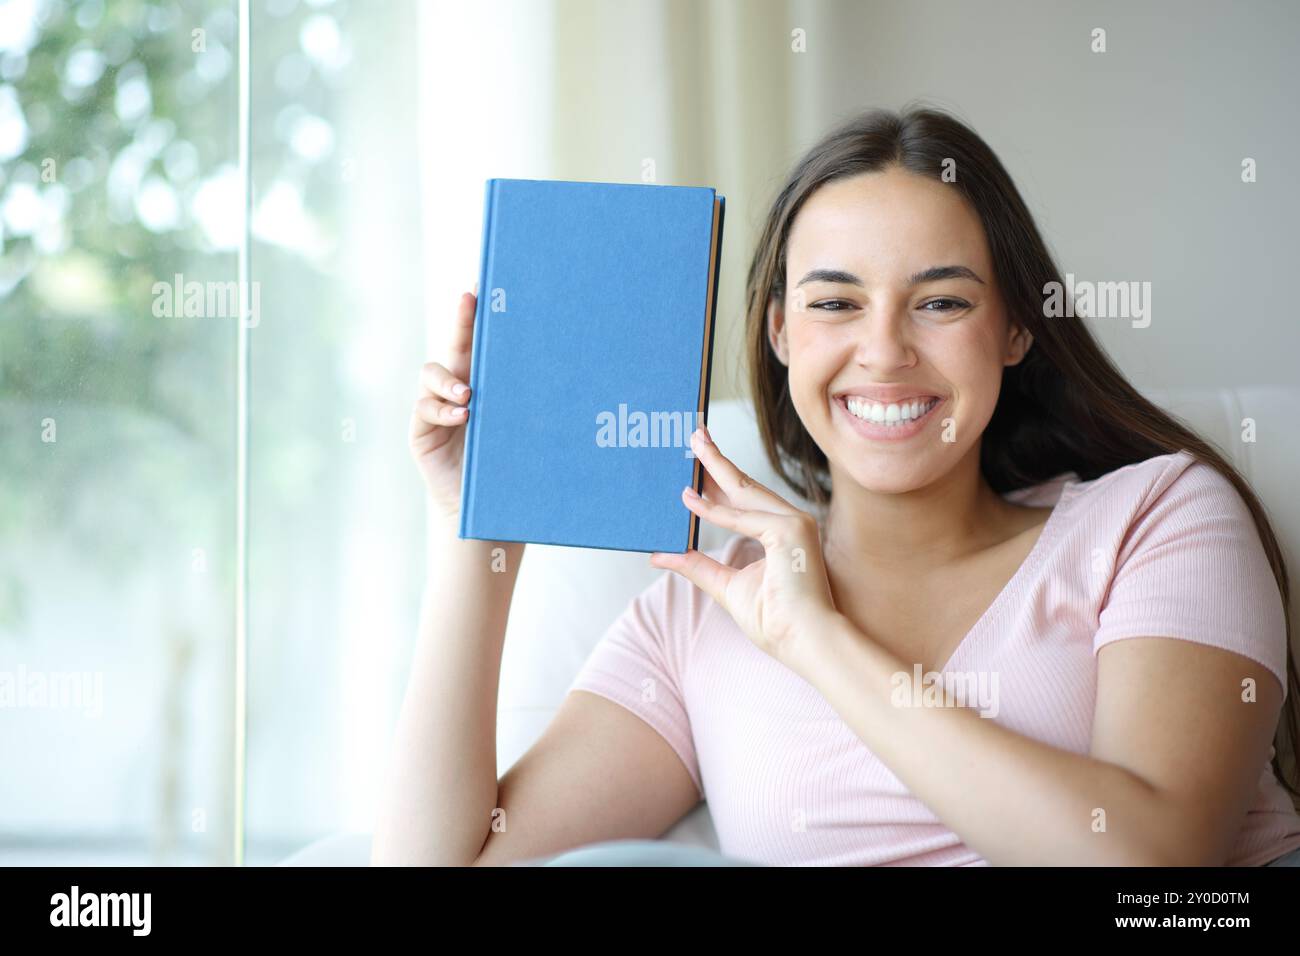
{"type": "Point", "coordinates": [884, 477]}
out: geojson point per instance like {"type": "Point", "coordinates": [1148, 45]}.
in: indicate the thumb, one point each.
{"type": "Point", "coordinates": [462, 337]}
{"type": "Point", "coordinates": [708, 575]}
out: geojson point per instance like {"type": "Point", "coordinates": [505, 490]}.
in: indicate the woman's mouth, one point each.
{"type": "Point", "coordinates": [889, 421]}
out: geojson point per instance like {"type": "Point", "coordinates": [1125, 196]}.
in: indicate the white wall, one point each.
{"type": "Point", "coordinates": [1130, 159]}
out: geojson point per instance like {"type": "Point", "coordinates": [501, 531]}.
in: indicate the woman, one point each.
{"type": "Point", "coordinates": [1027, 618]}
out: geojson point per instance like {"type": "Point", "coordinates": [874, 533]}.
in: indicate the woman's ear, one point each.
{"type": "Point", "coordinates": [776, 330]}
{"type": "Point", "coordinates": [1019, 341]}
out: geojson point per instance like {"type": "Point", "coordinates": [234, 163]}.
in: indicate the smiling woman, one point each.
{"type": "Point", "coordinates": [962, 440]}
{"type": "Point", "coordinates": [869, 219]}
{"type": "Point", "coordinates": [986, 498]}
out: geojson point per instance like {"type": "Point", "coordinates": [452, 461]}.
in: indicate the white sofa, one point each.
{"type": "Point", "coordinates": [566, 597]}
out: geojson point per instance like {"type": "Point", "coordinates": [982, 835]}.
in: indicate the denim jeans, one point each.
{"type": "Point", "coordinates": [1287, 859]}
{"type": "Point", "coordinates": [664, 853]}
{"type": "Point", "coordinates": [638, 853]}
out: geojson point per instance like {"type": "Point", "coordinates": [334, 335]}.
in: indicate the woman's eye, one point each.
{"type": "Point", "coordinates": [951, 304]}
{"type": "Point", "coordinates": [823, 305]}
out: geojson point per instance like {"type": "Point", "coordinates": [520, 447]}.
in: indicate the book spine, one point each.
{"type": "Point", "coordinates": [468, 479]}
{"type": "Point", "coordinates": [706, 374]}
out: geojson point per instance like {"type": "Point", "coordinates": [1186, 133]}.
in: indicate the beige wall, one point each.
{"type": "Point", "coordinates": [1130, 158]}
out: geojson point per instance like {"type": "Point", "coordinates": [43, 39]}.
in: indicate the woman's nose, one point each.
{"type": "Point", "coordinates": [884, 341]}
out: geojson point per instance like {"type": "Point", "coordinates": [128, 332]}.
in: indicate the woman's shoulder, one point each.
{"type": "Point", "coordinates": [1185, 558]}
{"type": "Point", "coordinates": [1174, 481]}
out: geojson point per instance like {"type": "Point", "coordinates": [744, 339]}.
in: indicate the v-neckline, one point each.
{"type": "Point", "coordinates": [1016, 581]}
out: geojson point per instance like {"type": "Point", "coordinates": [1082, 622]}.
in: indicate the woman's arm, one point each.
{"type": "Point", "coordinates": [443, 785]}
{"type": "Point", "coordinates": [598, 771]}
{"type": "Point", "coordinates": [1175, 759]}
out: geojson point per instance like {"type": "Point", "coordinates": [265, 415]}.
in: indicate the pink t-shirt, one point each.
{"type": "Point", "coordinates": [1161, 547]}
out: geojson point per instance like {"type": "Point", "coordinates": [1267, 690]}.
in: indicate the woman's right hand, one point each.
{"type": "Point", "coordinates": [438, 419]}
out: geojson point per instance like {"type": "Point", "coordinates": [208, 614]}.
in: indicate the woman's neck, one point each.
{"type": "Point", "coordinates": [952, 517]}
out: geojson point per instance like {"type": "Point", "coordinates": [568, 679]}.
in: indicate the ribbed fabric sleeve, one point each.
{"type": "Point", "coordinates": [1192, 567]}
{"type": "Point", "coordinates": [637, 664]}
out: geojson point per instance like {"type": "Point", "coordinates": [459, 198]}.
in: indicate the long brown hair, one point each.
{"type": "Point", "coordinates": [1064, 408]}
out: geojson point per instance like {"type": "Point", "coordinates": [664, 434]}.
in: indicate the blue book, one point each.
{"type": "Point", "coordinates": [592, 345]}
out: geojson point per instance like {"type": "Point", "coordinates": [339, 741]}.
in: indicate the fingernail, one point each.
{"type": "Point", "coordinates": [691, 492]}
{"type": "Point", "coordinates": [460, 412]}
{"type": "Point", "coordinates": [460, 388]}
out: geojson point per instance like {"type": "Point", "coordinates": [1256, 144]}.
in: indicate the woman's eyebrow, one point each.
{"type": "Point", "coordinates": [932, 274]}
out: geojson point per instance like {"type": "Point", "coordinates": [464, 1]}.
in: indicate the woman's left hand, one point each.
{"type": "Point", "coordinates": [778, 600]}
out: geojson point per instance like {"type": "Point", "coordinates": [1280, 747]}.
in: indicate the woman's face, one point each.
{"type": "Point", "coordinates": [892, 328]}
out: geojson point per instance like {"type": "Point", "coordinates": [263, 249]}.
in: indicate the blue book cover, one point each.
{"type": "Point", "coordinates": [590, 369]}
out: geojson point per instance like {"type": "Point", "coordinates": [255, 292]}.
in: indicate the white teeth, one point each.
{"type": "Point", "coordinates": [888, 415]}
